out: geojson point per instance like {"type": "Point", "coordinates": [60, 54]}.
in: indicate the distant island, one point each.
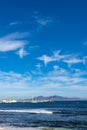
{"type": "Point", "coordinates": [43, 99]}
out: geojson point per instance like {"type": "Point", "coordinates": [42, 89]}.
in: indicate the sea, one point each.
{"type": "Point", "coordinates": [58, 115]}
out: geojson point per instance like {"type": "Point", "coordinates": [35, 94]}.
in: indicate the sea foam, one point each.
{"type": "Point", "coordinates": [32, 111]}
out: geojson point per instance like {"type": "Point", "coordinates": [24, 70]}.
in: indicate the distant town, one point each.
{"type": "Point", "coordinates": [41, 99]}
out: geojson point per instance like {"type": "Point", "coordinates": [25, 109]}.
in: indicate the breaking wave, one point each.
{"type": "Point", "coordinates": [32, 111]}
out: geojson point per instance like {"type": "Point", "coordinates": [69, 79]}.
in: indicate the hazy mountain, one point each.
{"type": "Point", "coordinates": [55, 98]}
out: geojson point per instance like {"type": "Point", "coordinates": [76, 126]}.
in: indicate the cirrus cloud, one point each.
{"type": "Point", "coordinates": [55, 57]}
{"type": "Point", "coordinates": [14, 42]}
{"type": "Point", "coordinates": [22, 53]}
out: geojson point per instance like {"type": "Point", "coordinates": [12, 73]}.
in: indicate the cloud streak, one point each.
{"type": "Point", "coordinates": [14, 23]}
{"type": "Point", "coordinates": [13, 42]}
{"type": "Point", "coordinates": [72, 61]}
{"type": "Point", "coordinates": [69, 59]}
{"type": "Point", "coordinates": [55, 57]}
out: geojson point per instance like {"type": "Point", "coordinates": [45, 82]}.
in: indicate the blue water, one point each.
{"type": "Point", "coordinates": [67, 114]}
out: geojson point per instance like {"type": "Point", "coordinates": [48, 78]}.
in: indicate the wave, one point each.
{"type": "Point", "coordinates": [32, 111]}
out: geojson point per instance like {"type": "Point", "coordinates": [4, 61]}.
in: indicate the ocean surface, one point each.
{"type": "Point", "coordinates": [61, 114]}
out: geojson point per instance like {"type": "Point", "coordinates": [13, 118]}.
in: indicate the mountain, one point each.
{"type": "Point", "coordinates": [44, 99]}
{"type": "Point", "coordinates": [55, 98]}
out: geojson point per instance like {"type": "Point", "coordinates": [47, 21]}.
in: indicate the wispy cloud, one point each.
{"type": "Point", "coordinates": [58, 56]}
{"type": "Point", "coordinates": [46, 59]}
{"type": "Point", "coordinates": [64, 78]}
{"type": "Point", "coordinates": [72, 61]}
{"type": "Point", "coordinates": [14, 23]}
{"type": "Point", "coordinates": [55, 57]}
{"type": "Point", "coordinates": [13, 42]}
{"type": "Point", "coordinates": [53, 81]}
{"type": "Point", "coordinates": [14, 80]}
{"type": "Point", "coordinates": [38, 66]}
{"type": "Point", "coordinates": [15, 36]}
{"type": "Point", "coordinates": [42, 21]}
{"type": "Point", "coordinates": [22, 53]}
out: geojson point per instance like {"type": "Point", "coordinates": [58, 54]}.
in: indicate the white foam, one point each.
{"type": "Point", "coordinates": [17, 128]}
{"type": "Point", "coordinates": [35, 111]}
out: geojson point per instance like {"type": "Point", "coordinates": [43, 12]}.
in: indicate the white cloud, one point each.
{"type": "Point", "coordinates": [46, 59]}
{"type": "Point", "coordinates": [53, 81]}
{"type": "Point", "coordinates": [78, 72]}
{"type": "Point", "coordinates": [38, 66]}
{"type": "Point", "coordinates": [15, 36]}
{"type": "Point", "coordinates": [10, 45]}
{"type": "Point", "coordinates": [70, 59]}
{"type": "Point", "coordinates": [22, 53]}
{"type": "Point", "coordinates": [78, 87]}
{"type": "Point", "coordinates": [42, 21]}
{"type": "Point", "coordinates": [55, 57]}
{"type": "Point", "coordinates": [73, 61]}
{"type": "Point", "coordinates": [14, 80]}
{"type": "Point", "coordinates": [64, 78]}
{"type": "Point", "coordinates": [13, 42]}
{"type": "Point", "coordinates": [14, 23]}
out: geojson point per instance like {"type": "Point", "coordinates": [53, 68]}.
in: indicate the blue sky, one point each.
{"type": "Point", "coordinates": [43, 48]}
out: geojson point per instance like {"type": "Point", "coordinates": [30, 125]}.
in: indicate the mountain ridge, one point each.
{"type": "Point", "coordinates": [56, 98]}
